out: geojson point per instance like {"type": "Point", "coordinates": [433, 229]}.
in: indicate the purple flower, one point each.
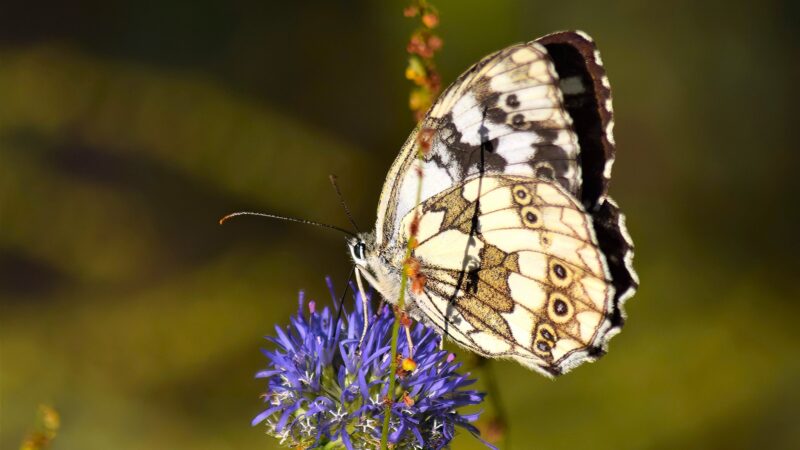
{"type": "Point", "coordinates": [322, 390]}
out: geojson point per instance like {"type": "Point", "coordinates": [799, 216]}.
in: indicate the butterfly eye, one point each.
{"type": "Point", "coordinates": [359, 252]}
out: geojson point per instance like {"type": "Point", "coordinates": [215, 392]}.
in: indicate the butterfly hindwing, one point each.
{"type": "Point", "coordinates": [513, 270]}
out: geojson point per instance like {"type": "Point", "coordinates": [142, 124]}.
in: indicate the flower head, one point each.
{"type": "Point", "coordinates": [322, 389]}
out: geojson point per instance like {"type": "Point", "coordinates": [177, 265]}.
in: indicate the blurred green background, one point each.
{"type": "Point", "coordinates": [127, 129]}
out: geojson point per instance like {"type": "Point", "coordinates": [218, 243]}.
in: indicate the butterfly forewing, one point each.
{"type": "Point", "coordinates": [505, 115]}
{"type": "Point", "coordinates": [587, 99]}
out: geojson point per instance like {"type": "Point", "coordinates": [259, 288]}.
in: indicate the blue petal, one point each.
{"type": "Point", "coordinates": [300, 300]}
{"type": "Point", "coordinates": [287, 343]}
{"type": "Point", "coordinates": [346, 439]}
{"type": "Point", "coordinates": [472, 417]}
{"type": "Point", "coordinates": [260, 418]}
{"type": "Point", "coordinates": [267, 373]}
{"type": "Point", "coordinates": [418, 435]}
{"type": "Point", "coordinates": [287, 413]}
{"type": "Point", "coordinates": [362, 384]}
{"type": "Point", "coordinates": [349, 364]}
{"type": "Point", "coordinates": [395, 435]}
{"type": "Point", "coordinates": [319, 344]}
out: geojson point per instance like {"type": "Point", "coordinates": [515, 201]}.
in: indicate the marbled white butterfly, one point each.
{"type": "Point", "coordinates": [524, 254]}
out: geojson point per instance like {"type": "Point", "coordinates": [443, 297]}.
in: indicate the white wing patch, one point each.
{"type": "Point", "coordinates": [446, 250]}
{"type": "Point", "coordinates": [506, 116]}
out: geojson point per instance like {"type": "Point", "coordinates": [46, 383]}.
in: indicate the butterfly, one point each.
{"type": "Point", "coordinates": [522, 252]}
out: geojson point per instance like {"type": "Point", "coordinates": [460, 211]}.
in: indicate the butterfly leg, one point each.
{"type": "Point", "coordinates": [363, 306]}
{"type": "Point", "coordinates": [406, 321]}
{"type": "Point", "coordinates": [410, 342]}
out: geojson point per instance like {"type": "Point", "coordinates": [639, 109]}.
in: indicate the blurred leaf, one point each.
{"type": "Point", "coordinates": [178, 119]}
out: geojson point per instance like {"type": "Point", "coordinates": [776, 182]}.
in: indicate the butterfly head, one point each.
{"type": "Point", "coordinates": [372, 265]}
{"type": "Point", "coordinates": [361, 249]}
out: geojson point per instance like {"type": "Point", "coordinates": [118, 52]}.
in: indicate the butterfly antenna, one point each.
{"type": "Point", "coordinates": [289, 219]}
{"type": "Point", "coordinates": [341, 200]}
{"type": "Point", "coordinates": [341, 300]}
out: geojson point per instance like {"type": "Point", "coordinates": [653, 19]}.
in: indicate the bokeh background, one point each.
{"type": "Point", "coordinates": [128, 128]}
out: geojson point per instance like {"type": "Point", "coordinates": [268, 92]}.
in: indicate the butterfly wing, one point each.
{"type": "Point", "coordinates": [536, 115]}
{"type": "Point", "coordinates": [514, 270]}
{"type": "Point", "coordinates": [587, 98]}
{"type": "Point", "coordinates": [505, 115]}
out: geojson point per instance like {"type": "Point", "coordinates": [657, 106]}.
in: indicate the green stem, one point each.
{"type": "Point", "coordinates": [393, 364]}
{"type": "Point", "coordinates": [401, 302]}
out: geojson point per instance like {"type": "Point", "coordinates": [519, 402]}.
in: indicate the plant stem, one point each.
{"type": "Point", "coordinates": [401, 302]}
{"type": "Point", "coordinates": [429, 83]}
